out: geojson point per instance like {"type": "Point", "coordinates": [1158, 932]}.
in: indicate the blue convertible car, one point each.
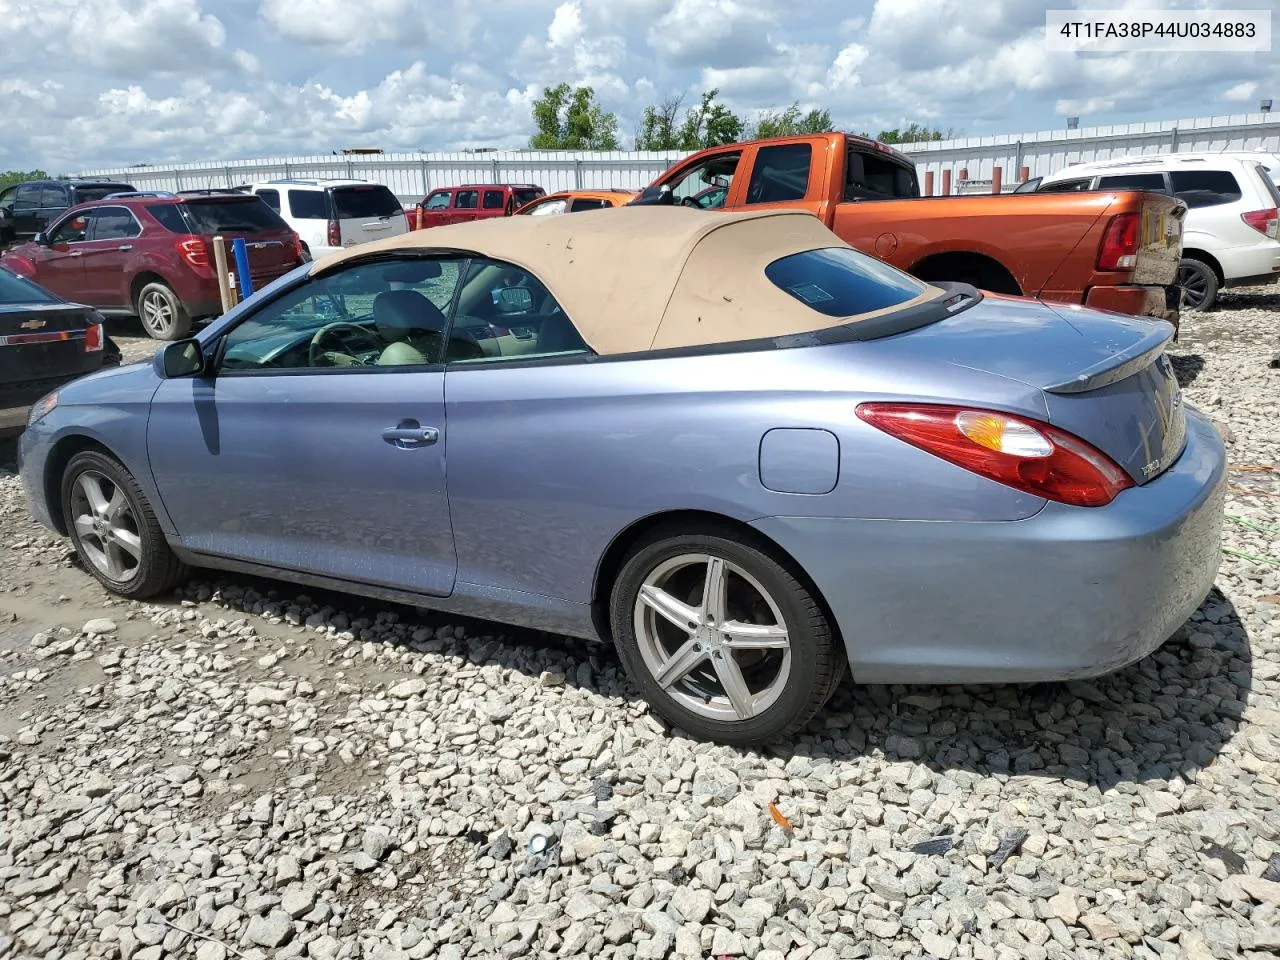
{"type": "Point", "coordinates": [753, 456]}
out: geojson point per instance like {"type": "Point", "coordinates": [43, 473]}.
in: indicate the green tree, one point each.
{"type": "Point", "coordinates": [658, 126]}
{"type": "Point", "coordinates": [912, 133]}
{"type": "Point", "coordinates": [570, 119]}
{"type": "Point", "coordinates": [8, 177]}
{"type": "Point", "coordinates": [710, 124]}
{"type": "Point", "coordinates": [792, 122]}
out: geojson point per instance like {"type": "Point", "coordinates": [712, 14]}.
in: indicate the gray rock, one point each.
{"type": "Point", "coordinates": [273, 930]}
{"type": "Point", "coordinates": [99, 627]}
{"type": "Point", "coordinates": [376, 843]}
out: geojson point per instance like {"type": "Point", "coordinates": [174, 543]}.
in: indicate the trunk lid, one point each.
{"type": "Point", "coordinates": [44, 341]}
{"type": "Point", "coordinates": [1105, 377]}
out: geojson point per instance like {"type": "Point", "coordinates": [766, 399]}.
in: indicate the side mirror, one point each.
{"type": "Point", "coordinates": [654, 196]}
{"type": "Point", "coordinates": [42, 238]}
{"type": "Point", "coordinates": [182, 358]}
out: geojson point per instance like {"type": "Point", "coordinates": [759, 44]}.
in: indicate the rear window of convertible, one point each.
{"type": "Point", "coordinates": [840, 282]}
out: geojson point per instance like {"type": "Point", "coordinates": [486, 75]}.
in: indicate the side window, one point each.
{"type": "Point", "coordinates": [781, 173]}
{"type": "Point", "coordinates": [271, 198]}
{"type": "Point", "coordinates": [28, 198]}
{"type": "Point", "coordinates": [437, 201]}
{"type": "Point", "coordinates": [53, 196]}
{"type": "Point", "coordinates": [1066, 186]}
{"type": "Point", "coordinates": [7, 197]}
{"type": "Point", "coordinates": [370, 315]}
{"type": "Point", "coordinates": [170, 217]}
{"type": "Point", "coordinates": [1134, 181]}
{"type": "Point", "coordinates": [72, 229]}
{"type": "Point", "coordinates": [309, 204]}
{"type": "Point", "coordinates": [869, 176]}
{"type": "Point", "coordinates": [547, 208]}
{"type": "Point", "coordinates": [1205, 188]}
{"type": "Point", "coordinates": [713, 176]}
{"type": "Point", "coordinates": [493, 199]}
{"type": "Point", "coordinates": [113, 223]}
{"type": "Point", "coordinates": [506, 313]}
{"type": "Point", "coordinates": [585, 203]}
{"type": "Point", "coordinates": [466, 199]}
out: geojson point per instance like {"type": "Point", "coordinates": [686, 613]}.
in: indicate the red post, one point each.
{"type": "Point", "coordinates": [946, 182]}
{"type": "Point", "coordinates": [1024, 174]}
{"type": "Point", "coordinates": [928, 183]}
{"type": "Point", "coordinates": [964, 173]}
{"type": "Point", "coordinates": [997, 177]}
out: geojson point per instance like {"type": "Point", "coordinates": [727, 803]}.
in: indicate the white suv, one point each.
{"type": "Point", "coordinates": [331, 214]}
{"type": "Point", "coordinates": [1230, 237]}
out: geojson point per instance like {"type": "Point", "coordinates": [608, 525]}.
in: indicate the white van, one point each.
{"type": "Point", "coordinates": [1231, 236]}
{"type": "Point", "coordinates": [331, 214]}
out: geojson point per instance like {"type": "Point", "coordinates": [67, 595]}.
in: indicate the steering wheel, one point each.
{"type": "Point", "coordinates": [336, 359]}
{"type": "Point", "coordinates": [690, 202]}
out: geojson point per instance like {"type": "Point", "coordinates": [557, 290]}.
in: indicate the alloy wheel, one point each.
{"type": "Point", "coordinates": [712, 637]}
{"type": "Point", "coordinates": [106, 526]}
{"type": "Point", "coordinates": [157, 312]}
{"type": "Point", "coordinates": [1195, 287]}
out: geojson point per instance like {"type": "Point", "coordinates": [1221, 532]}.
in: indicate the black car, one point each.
{"type": "Point", "coordinates": [44, 342]}
{"type": "Point", "coordinates": [26, 208]}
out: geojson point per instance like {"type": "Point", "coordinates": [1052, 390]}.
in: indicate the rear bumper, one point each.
{"type": "Point", "coordinates": [1070, 592]}
{"type": "Point", "coordinates": [1138, 301]}
{"type": "Point", "coordinates": [1248, 264]}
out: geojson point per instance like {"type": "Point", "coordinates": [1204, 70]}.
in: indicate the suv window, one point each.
{"type": "Point", "coordinates": [85, 194]}
{"type": "Point", "coordinates": [1205, 188]}
{"type": "Point", "coordinates": [1066, 186]}
{"type": "Point", "coordinates": [437, 201]}
{"type": "Point", "coordinates": [169, 215]}
{"type": "Point", "coordinates": [250, 215]}
{"type": "Point", "coordinates": [374, 200]}
{"type": "Point", "coordinates": [113, 223]}
{"type": "Point", "coordinates": [869, 176]}
{"type": "Point", "coordinates": [52, 195]}
{"type": "Point", "coordinates": [381, 314]}
{"type": "Point", "coordinates": [271, 198]}
{"type": "Point", "coordinates": [28, 197]}
{"type": "Point", "coordinates": [309, 204]}
{"type": "Point", "coordinates": [840, 282]}
{"type": "Point", "coordinates": [493, 199]}
{"type": "Point", "coordinates": [1134, 181]}
{"type": "Point", "coordinates": [466, 199]}
{"type": "Point", "coordinates": [72, 229]}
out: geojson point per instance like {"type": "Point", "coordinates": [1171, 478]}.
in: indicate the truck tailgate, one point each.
{"type": "Point", "coordinates": [1160, 240]}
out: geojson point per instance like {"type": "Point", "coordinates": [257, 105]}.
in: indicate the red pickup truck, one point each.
{"type": "Point", "coordinates": [1114, 250]}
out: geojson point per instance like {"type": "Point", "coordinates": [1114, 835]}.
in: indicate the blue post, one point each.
{"type": "Point", "coordinates": [242, 268]}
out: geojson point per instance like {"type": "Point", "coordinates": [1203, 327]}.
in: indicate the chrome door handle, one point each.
{"type": "Point", "coordinates": [125, 246]}
{"type": "Point", "coordinates": [73, 253]}
{"type": "Point", "coordinates": [408, 434]}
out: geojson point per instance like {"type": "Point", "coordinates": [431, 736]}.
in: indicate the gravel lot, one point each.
{"type": "Point", "coordinates": [251, 770]}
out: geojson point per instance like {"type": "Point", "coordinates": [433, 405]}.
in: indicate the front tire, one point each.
{"type": "Point", "coordinates": [114, 530]}
{"type": "Point", "coordinates": [722, 639]}
{"type": "Point", "coordinates": [1199, 285]}
{"type": "Point", "coordinates": [162, 313]}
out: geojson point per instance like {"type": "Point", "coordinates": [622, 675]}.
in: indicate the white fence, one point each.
{"type": "Point", "coordinates": [412, 175]}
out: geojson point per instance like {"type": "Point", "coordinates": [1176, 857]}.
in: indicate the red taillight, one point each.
{"type": "Point", "coordinates": [1025, 454]}
{"type": "Point", "coordinates": [298, 249]}
{"type": "Point", "coordinates": [194, 251]}
{"type": "Point", "coordinates": [1120, 243]}
{"type": "Point", "coordinates": [93, 338]}
{"type": "Point", "coordinates": [1260, 220]}
{"type": "Point", "coordinates": [335, 234]}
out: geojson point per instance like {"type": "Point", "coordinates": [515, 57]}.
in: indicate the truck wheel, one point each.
{"type": "Point", "coordinates": [1199, 285]}
{"type": "Point", "coordinates": [162, 313]}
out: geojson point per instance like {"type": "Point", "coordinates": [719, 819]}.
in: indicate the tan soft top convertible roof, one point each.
{"type": "Point", "coordinates": [641, 278]}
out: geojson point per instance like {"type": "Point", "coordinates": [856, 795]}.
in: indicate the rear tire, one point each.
{"type": "Point", "coordinates": [753, 668]}
{"type": "Point", "coordinates": [1199, 285]}
{"type": "Point", "coordinates": [162, 313]}
{"type": "Point", "coordinates": [114, 530]}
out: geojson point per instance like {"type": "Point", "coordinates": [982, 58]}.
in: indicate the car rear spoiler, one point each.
{"type": "Point", "coordinates": [1123, 363]}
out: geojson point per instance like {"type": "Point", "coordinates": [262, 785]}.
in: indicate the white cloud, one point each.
{"type": "Point", "coordinates": [566, 25]}
{"type": "Point", "coordinates": [1241, 91]}
{"type": "Point", "coordinates": [715, 34]}
{"type": "Point", "coordinates": [350, 26]}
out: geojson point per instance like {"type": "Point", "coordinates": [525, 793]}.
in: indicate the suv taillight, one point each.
{"type": "Point", "coordinates": [1120, 243]}
{"type": "Point", "coordinates": [194, 251]}
{"type": "Point", "coordinates": [1260, 220]}
{"type": "Point", "coordinates": [335, 234]}
{"type": "Point", "coordinates": [299, 250]}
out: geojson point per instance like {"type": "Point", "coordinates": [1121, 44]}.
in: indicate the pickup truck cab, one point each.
{"type": "Point", "coordinates": [1114, 251]}
{"type": "Point", "coordinates": [474, 201]}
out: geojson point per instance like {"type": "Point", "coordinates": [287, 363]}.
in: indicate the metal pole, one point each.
{"type": "Point", "coordinates": [577, 174]}
{"type": "Point", "coordinates": [242, 267]}
{"type": "Point", "coordinates": [1173, 140]}
{"type": "Point", "coordinates": [426, 183]}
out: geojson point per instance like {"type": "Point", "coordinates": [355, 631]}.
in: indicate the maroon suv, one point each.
{"type": "Point", "coordinates": [149, 254]}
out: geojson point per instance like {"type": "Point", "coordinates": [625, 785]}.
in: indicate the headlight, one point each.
{"type": "Point", "coordinates": [42, 407]}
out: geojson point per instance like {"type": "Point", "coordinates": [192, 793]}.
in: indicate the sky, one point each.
{"type": "Point", "coordinates": [115, 82]}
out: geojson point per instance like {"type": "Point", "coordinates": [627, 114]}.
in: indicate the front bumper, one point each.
{"type": "Point", "coordinates": [1070, 592]}
{"type": "Point", "coordinates": [1162, 303]}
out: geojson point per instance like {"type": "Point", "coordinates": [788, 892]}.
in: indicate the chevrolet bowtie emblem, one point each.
{"type": "Point", "coordinates": [32, 325]}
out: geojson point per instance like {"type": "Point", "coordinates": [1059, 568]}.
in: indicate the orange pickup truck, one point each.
{"type": "Point", "coordinates": [1111, 250]}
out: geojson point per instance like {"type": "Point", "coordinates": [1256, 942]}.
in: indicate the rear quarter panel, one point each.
{"type": "Point", "coordinates": [548, 464]}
